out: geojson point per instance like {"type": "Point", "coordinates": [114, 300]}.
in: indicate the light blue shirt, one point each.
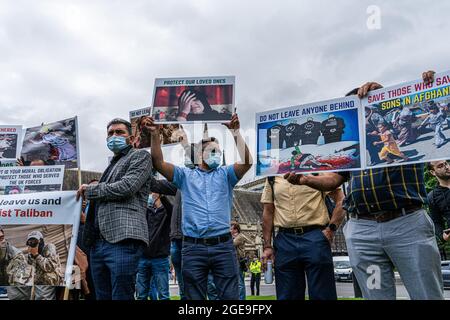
{"type": "Point", "coordinates": [207, 198]}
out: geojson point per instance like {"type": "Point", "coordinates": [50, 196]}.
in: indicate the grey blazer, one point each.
{"type": "Point", "coordinates": [122, 199]}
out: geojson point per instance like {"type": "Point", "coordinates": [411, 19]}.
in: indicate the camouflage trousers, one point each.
{"type": "Point", "coordinates": [24, 293]}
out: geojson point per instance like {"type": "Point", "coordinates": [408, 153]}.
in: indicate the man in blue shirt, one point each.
{"type": "Point", "coordinates": [207, 197]}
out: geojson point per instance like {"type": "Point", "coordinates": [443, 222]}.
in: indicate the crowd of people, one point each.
{"type": "Point", "coordinates": [133, 233]}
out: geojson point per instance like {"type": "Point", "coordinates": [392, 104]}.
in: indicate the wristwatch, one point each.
{"type": "Point", "coordinates": [332, 227]}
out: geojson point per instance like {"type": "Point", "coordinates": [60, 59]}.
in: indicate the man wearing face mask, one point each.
{"type": "Point", "coordinates": [45, 259]}
{"type": "Point", "coordinates": [116, 228]}
{"type": "Point", "coordinates": [45, 264]}
{"type": "Point", "coordinates": [154, 265]}
{"type": "Point", "coordinates": [207, 204]}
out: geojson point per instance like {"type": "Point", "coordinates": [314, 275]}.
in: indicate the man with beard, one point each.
{"type": "Point", "coordinates": [439, 198]}
{"type": "Point", "coordinates": [10, 257]}
{"type": "Point", "coordinates": [373, 119]}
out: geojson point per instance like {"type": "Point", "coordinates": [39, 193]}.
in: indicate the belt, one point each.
{"type": "Point", "coordinates": [386, 215]}
{"type": "Point", "coordinates": [300, 230]}
{"type": "Point", "coordinates": [208, 241]}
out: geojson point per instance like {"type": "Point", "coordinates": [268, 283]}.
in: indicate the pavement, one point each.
{"type": "Point", "coordinates": [344, 290]}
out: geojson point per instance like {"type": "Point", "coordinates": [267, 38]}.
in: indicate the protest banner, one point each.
{"type": "Point", "coordinates": [170, 133]}
{"type": "Point", "coordinates": [15, 180]}
{"type": "Point", "coordinates": [25, 218]}
{"type": "Point", "coordinates": [56, 143]}
{"type": "Point", "coordinates": [317, 137]}
{"type": "Point", "coordinates": [10, 142]}
{"type": "Point", "coordinates": [184, 100]}
{"type": "Point", "coordinates": [408, 123]}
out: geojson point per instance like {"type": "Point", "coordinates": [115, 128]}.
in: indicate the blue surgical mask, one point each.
{"type": "Point", "coordinates": [117, 143]}
{"type": "Point", "coordinates": [214, 160]}
{"type": "Point", "coordinates": [150, 201]}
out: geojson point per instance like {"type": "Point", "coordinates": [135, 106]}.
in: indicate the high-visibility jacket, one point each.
{"type": "Point", "coordinates": [255, 267]}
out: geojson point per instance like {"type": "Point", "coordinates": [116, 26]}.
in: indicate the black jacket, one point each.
{"type": "Point", "coordinates": [159, 230]}
{"type": "Point", "coordinates": [439, 203]}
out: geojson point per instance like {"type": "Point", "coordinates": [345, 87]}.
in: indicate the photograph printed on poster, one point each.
{"type": "Point", "coordinates": [181, 100]}
{"type": "Point", "coordinates": [408, 123]}
{"type": "Point", "coordinates": [54, 143]}
{"type": "Point", "coordinates": [33, 254]}
{"type": "Point", "coordinates": [10, 142]}
{"type": "Point", "coordinates": [323, 136]}
{"type": "Point", "coordinates": [169, 133]}
{"type": "Point", "coordinates": [37, 242]}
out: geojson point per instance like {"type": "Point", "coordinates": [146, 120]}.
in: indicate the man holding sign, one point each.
{"type": "Point", "coordinates": [207, 204]}
{"type": "Point", "coordinates": [388, 226]}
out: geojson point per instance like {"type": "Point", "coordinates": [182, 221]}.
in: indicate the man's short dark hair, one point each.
{"type": "Point", "coordinates": [120, 121]}
{"type": "Point", "coordinates": [430, 166]}
{"type": "Point", "coordinates": [236, 226]}
{"type": "Point", "coordinates": [205, 141]}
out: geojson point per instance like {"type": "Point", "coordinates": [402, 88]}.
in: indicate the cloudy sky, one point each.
{"type": "Point", "coordinates": [99, 59]}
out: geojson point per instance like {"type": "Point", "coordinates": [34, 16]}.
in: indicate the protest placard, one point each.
{"type": "Point", "coordinates": [169, 133]}
{"type": "Point", "coordinates": [8, 163]}
{"type": "Point", "coordinates": [15, 180]}
{"type": "Point", "coordinates": [10, 142]}
{"type": "Point", "coordinates": [55, 143]}
{"type": "Point", "coordinates": [40, 234]}
{"type": "Point", "coordinates": [408, 123]}
{"type": "Point", "coordinates": [181, 100]}
{"type": "Point", "coordinates": [317, 137]}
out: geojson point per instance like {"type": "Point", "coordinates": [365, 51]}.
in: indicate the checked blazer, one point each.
{"type": "Point", "coordinates": [121, 200]}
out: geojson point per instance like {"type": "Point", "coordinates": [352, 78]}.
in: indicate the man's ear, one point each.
{"type": "Point", "coordinates": [131, 139]}
{"type": "Point", "coordinates": [433, 173]}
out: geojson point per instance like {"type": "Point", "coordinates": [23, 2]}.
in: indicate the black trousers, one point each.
{"type": "Point", "coordinates": [255, 280]}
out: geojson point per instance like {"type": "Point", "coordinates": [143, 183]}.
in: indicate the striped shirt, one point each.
{"type": "Point", "coordinates": [374, 190]}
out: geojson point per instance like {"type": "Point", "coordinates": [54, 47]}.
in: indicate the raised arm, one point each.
{"type": "Point", "coordinates": [245, 164]}
{"type": "Point", "coordinates": [166, 169]}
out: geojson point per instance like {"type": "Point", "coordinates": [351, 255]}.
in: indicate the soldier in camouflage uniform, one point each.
{"type": "Point", "coordinates": [14, 269]}
{"type": "Point", "coordinates": [45, 260]}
